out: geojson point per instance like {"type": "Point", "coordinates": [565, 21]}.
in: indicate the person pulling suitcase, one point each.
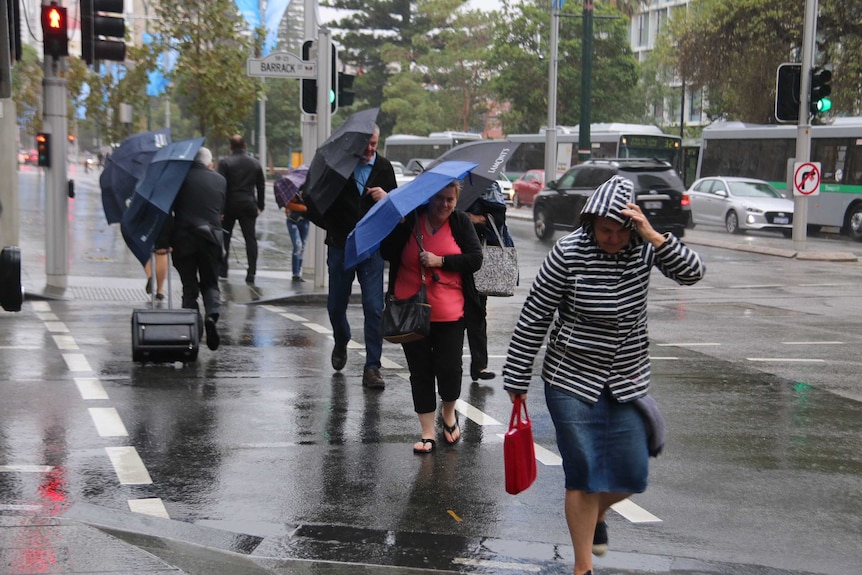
{"type": "Point", "coordinates": [194, 237]}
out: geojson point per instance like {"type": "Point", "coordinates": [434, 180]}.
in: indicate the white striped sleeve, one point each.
{"type": "Point", "coordinates": [679, 262]}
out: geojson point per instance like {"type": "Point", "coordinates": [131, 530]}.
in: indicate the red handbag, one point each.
{"type": "Point", "coordinates": [519, 454]}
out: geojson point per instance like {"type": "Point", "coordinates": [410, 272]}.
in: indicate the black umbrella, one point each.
{"type": "Point", "coordinates": [491, 157]}
{"type": "Point", "coordinates": [335, 159]}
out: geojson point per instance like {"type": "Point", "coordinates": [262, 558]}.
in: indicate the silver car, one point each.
{"type": "Point", "coordinates": [740, 204]}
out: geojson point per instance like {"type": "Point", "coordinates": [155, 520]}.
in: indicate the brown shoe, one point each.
{"type": "Point", "coordinates": [371, 378]}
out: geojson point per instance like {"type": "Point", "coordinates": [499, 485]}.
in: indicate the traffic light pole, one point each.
{"type": "Point", "coordinates": [803, 132]}
{"type": "Point", "coordinates": [551, 128]}
{"type": "Point", "coordinates": [56, 183]}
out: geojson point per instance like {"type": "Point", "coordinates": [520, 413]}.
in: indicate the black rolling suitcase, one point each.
{"type": "Point", "coordinates": [11, 295]}
{"type": "Point", "coordinates": [165, 335]}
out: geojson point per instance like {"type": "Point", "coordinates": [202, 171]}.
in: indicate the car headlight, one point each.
{"type": "Point", "coordinates": [754, 210]}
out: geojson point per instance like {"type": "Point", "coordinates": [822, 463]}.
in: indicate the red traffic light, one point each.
{"type": "Point", "coordinates": [55, 30]}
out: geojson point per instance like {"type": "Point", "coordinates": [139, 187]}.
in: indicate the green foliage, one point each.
{"type": "Point", "coordinates": [520, 54]}
{"type": "Point", "coordinates": [210, 81]}
{"type": "Point", "coordinates": [733, 49]}
{"type": "Point", "coordinates": [27, 90]}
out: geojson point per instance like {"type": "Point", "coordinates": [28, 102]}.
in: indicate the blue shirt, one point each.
{"type": "Point", "coordinates": [361, 173]}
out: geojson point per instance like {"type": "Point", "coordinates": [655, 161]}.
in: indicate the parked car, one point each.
{"type": "Point", "coordinates": [416, 166]}
{"type": "Point", "coordinates": [658, 190]}
{"type": "Point", "coordinates": [401, 174]}
{"type": "Point", "coordinates": [740, 204]}
{"type": "Point", "coordinates": [527, 186]}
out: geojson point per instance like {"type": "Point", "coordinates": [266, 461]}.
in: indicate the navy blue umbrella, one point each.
{"type": "Point", "coordinates": [383, 216]}
{"type": "Point", "coordinates": [144, 219]}
{"type": "Point", "coordinates": [125, 167]}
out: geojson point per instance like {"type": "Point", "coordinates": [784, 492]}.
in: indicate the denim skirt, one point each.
{"type": "Point", "coordinates": [603, 445]}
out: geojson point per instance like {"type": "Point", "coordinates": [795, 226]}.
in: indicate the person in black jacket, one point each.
{"type": "Point", "coordinates": [436, 245]}
{"type": "Point", "coordinates": [244, 176]}
{"type": "Point", "coordinates": [195, 239]}
{"type": "Point", "coordinates": [371, 180]}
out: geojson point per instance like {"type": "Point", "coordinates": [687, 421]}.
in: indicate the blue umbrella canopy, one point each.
{"type": "Point", "coordinates": [143, 221]}
{"type": "Point", "coordinates": [382, 218]}
{"type": "Point", "coordinates": [125, 167]}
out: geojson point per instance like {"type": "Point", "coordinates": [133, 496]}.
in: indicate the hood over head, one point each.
{"type": "Point", "coordinates": [609, 200]}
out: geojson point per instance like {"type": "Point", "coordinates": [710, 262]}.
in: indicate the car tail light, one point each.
{"type": "Point", "coordinates": [685, 201]}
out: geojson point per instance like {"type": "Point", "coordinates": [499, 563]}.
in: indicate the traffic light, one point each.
{"type": "Point", "coordinates": [55, 30]}
{"type": "Point", "coordinates": [787, 92]}
{"type": "Point", "coordinates": [43, 149]}
{"type": "Point", "coordinates": [97, 30]}
{"type": "Point", "coordinates": [308, 88]}
{"type": "Point", "coordinates": [821, 87]}
{"type": "Point", "coordinates": [346, 95]}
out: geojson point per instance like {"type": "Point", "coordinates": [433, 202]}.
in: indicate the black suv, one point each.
{"type": "Point", "coordinates": [659, 192]}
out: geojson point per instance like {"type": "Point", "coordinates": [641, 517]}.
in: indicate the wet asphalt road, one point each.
{"type": "Point", "coordinates": [261, 450]}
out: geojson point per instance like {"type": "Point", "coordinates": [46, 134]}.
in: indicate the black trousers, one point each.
{"type": "Point", "coordinates": [436, 358]}
{"type": "Point", "coordinates": [475, 316]}
{"type": "Point", "coordinates": [198, 269]}
{"type": "Point", "coordinates": [247, 225]}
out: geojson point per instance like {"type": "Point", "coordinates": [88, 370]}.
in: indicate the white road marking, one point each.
{"type": "Point", "coordinates": [474, 414]}
{"type": "Point", "coordinates": [56, 327]}
{"type": "Point", "coordinates": [108, 422]}
{"type": "Point", "coordinates": [497, 565]}
{"type": "Point", "coordinates": [294, 317]}
{"type": "Point", "coordinates": [317, 327]}
{"type": "Point", "coordinates": [25, 468]}
{"type": "Point", "coordinates": [688, 344]}
{"type": "Point", "coordinates": [786, 359]}
{"type": "Point", "coordinates": [40, 306]}
{"type": "Point", "coordinates": [76, 362]}
{"type": "Point", "coordinates": [757, 286]}
{"type": "Point", "coordinates": [20, 347]}
{"type": "Point", "coordinates": [10, 507]}
{"type": "Point", "coordinates": [152, 506]}
{"type": "Point", "coordinates": [547, 457]}
{"type": "Point", "coordinates": [90, 388]}
{"type": "Point", "coordinates": [812, 343]}
{"type": "Point", "coordinates": [389, 364]}
{"type": "Point", "coordinates": [65, 342]}
{"type": "Point", "coordinates": [128, 465]}
{"type": "Point", "coordinates": [354, 345]}
{"type": "Point", "coordinates": [47, 316]}
{"type": "Point", "coordinates": [671, 357]}
{"type": "Point", "coordinates": [634, 512]}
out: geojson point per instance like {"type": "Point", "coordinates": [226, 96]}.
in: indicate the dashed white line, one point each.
{"type": "Point", "coordinates": [40, 306]}
{"type": "Point", "coordinates": [12, 507]}
{"type": "Point", "coordinates": [108, 422]}
{"type": "Point", "coordinates": [128, 465]}
{"type": "Point", "coordinates": [56, 327]}
{"type": "Point", "coordinates": [76, 362]}
{"type": "Point", "coordinates": [786, 359]}
{"type": "Point", "coordinates": [65, 342]}
{"type": "Point", "coordinates": [812, 343]}
{"type": "Point", "coordinates": [46, 316]}
{"type": "Point", "coordinates": [474, 414]}
{"type": "Point", "coordinates": [90, 388]}
{"type": "Point", "coordinates": [152, 506]}
{"type": "Point", "coordinates": [497, 565]}
{"type": "Point", "coordinates": [317, 327]}
{"type": "Point", "coordinates": [294, 317]}
{"type": "Point", "coordinates": [634, 512]}
{"type": "Point", "coordinates": [25, 468]}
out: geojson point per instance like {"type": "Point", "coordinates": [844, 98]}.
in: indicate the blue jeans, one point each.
{"type": "Point", "coordinates": [298, 235]}
{"type": "Point", "coordinates": [370, 274]}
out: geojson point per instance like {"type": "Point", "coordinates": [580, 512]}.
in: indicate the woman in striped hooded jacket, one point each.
{"type": "Point", "coordinates": [593, 286]}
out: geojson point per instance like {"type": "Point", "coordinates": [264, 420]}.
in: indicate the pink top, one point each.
{"type": "Point", "coordinates": [445, 296]}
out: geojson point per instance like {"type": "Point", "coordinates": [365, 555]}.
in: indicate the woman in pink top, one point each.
{"type": "Point", "coordinates": [450, 252]}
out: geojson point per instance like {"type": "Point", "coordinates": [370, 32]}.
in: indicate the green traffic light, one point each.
{"type": "Point", "coordinates": [824, 105]}
{"type": "Point", "coordinates": [332, 96]}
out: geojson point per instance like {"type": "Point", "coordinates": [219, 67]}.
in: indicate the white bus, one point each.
{"type": "Point", "coordinates": [613, 140]}
{"type": "Point", "coordinates": [766, 152]}
{"type": "Point", "coordinates": [404, 147]}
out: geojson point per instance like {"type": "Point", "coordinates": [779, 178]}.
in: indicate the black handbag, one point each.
{"type": "Point", "coordinates": [406, 320]}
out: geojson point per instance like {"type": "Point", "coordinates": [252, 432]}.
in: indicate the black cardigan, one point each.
{"type": "Point", "coordinates": [467, 262]}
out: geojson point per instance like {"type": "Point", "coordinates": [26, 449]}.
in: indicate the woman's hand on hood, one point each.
{"type": "Point", "coordinates": [642, 225]}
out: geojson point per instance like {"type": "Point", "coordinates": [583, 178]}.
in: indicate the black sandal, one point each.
{"type": "Point", "coordinates": [424, 443]}
{"type": "Point", "coordinates": [450, 429]}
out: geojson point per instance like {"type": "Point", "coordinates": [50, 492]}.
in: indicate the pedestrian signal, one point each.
{"type": "Point", "coordinates": [55, 30]}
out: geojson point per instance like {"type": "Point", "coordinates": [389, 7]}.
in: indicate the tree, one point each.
{"type": "Point", "coordinates": [209, 81]}
{"type": "Point", "coordinates": [27, 90]}
{"type": "Point", "coordinates": [520, 53]}
{"type": "Point", "coordinates": [733, 49]}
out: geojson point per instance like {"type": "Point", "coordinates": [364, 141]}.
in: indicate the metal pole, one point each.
{"type": "Point", "coordinates": [584, 148]}
{"type": "Point", "coordinates": [803, 132]}
{"type": "Point", "coordinates": [261, 137]}
{"type": "Point", "coordinates": [551, 128]}
{"type": "Point", "coordinates": [316, 248]}
{"type": "Point", "coordinates": [56, 185]}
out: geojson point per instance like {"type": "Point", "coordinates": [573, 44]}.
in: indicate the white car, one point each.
{"type": "Point", "coordinates": [740, 204]}
{"type": "Point", "coordinates": [401, 175]}
{"type": "Point", "coordinates": [507, 188]}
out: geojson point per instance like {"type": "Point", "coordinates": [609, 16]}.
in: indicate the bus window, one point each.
{"type": "Point", "coordinates": [832, 155]}
{"type": "Point", "coordinates": [853, 173]}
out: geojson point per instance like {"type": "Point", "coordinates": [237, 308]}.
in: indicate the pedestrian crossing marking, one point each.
{"type": "Point", "coordinates": [76, 362]}
{"type": "Point", "coordinates": [65, 342]}
{"type": "Point", "coordinates": [128, 466]}
{"type": "Point", "coordinates": [108, 422]}
{"type": "Point", "coordinates": [151, 506]}
{"type": "Point", "coordinates": [90, 388]}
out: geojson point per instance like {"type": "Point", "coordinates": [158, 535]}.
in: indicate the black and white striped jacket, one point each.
{"type": "Point", "coordinates": [598, 305]}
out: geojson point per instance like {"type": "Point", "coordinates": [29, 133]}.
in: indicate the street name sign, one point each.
{"type": "Point", "coordinates": [282, 65]}
{"type": "Point", "coordinates": [806, 179]}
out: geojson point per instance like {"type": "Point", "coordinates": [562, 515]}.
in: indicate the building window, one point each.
{"type": "Point", "coordinates": [695, 113]}
{"type": "Point", "coordinates": [643, 29]}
